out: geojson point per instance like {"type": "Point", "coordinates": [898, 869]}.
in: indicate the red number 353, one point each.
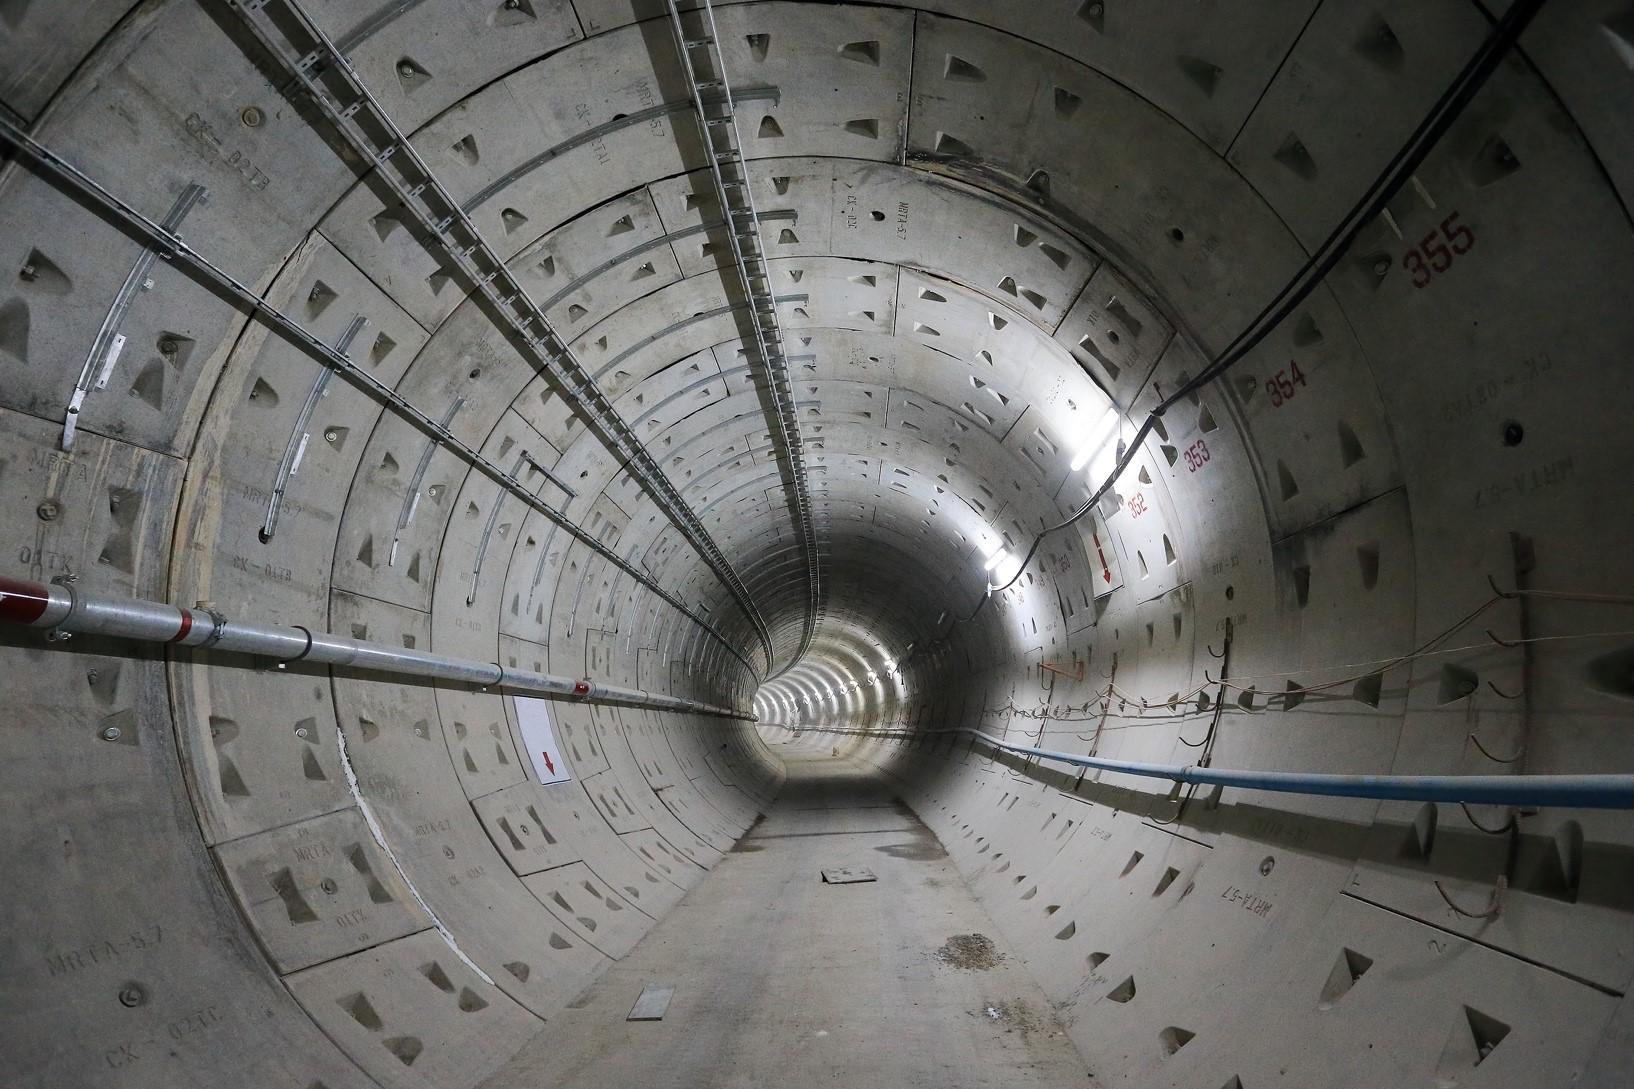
{"type": "Point", "coordinates": [1432, 254]}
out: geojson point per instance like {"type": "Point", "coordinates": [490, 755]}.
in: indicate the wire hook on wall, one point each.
{"type": "Point", "coordinates": [1494, 907]}
{"type": "Point", "coordinates": [1507, 826]}
{"type": "Point", "coordinates": [1520, 752]}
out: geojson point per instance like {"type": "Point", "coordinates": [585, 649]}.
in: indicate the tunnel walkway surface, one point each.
{"type": "Point", "coordinates": [783, 980]}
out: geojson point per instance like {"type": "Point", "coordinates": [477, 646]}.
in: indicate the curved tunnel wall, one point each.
{"type": "Point", "coordinates": [999, 234]}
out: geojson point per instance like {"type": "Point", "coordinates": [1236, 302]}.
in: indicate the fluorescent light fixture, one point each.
{"type": "Point", "coordinates": [1095, 438]}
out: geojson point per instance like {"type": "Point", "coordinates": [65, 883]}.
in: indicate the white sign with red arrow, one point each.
{"type": "Point", "coordinates": [539, 735]}
{"type": "Point", "coordinates": [1105, 573]}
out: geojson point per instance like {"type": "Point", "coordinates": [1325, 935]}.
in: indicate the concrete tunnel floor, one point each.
{"type": "Point", "coordinates": [781, 979]}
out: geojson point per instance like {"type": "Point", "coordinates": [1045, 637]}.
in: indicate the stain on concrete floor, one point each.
{"type": "Point", "coordinates": [1013, 1015]}
{"type": "Point", "coordinates": [786, 982]}
{"type": "Point", "coordinates": [974, 952]}
{"type": "Point", "coordinates": [923, 847]}
{"type": "Point", "coordinates": [917, 851]}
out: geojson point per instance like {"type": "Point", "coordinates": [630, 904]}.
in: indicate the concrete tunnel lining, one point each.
{"type": "Point", "coordinates": [999, 236]}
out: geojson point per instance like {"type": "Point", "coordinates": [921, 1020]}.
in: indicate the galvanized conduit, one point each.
{"type": "Point", "coordinates": [170, 247]}
{"type": "Point", "coordinates": [1573, 791]}
{"type": "Point", "coordinates": [63, 610]}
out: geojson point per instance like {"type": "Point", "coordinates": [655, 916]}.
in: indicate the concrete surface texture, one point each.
{"type": "Point", "coordinates": [544, 394]}
{"type": "Point", "coordinates": [783, 979]}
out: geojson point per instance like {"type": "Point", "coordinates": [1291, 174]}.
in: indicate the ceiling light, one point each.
{"type": "Point", "coordinates": [1095, 438]}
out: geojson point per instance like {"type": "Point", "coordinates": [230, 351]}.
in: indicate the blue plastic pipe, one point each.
{"type": "Point", "coordinates": [1574, 791]}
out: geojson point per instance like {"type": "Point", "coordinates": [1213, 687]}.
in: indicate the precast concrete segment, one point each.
{"type": "Point", "coordinates": [340, 95]}
{"type": "Point", "coordinates": [165, 240]}
{"type": "Point", "coordinates": [1074, 875]}
{"type": "Point", "coordinates": [998, 236]}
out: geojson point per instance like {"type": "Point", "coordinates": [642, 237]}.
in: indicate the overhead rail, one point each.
{"type": "Point", "coordinates": [63, 611]}
{"type": "Point", "coordinates": [705, 67]}
{"type": "Point", "coordinates": [337, 91]}
{"type": "Point", "coordinates": [1569, 791]}
{"type": "Point", "coordinates": [170, 247]}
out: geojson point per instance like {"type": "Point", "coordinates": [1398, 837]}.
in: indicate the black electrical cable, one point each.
{"type": "Point", "coordinates": [1503, 36]}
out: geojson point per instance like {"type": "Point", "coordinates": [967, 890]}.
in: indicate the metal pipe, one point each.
{"type": "Point", "coordinates": [62, 610]}
{"type": "Point", "coordinates": [1573, 791]}
{"type": "Point", "coordinates": [170, 247]}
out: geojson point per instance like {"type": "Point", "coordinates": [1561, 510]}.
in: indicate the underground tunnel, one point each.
{"type": "Point", "coordinates": [653, 543]}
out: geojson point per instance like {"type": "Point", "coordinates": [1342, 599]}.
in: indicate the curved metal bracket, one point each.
{"type": "Point", "coordinates": [308, 649]}
{"type": "Point", "coordinates": [66, 581]}
{"type": "Point", "coordinates": [1179, 806]}
{"type": "Point", "coordinates": [218, 628]}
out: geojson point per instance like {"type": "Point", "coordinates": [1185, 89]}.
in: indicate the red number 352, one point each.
{"type": "Point", "coordinates": [1431, 255]}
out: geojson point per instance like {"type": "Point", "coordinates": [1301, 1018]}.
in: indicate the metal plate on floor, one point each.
{"type": "Point", "coordinates": [848, 876]}
{"type": "Point", "coordinates": [654, 1000]}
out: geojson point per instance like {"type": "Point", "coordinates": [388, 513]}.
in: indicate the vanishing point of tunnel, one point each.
{"type": "Point", "coordinates": [586, 544]}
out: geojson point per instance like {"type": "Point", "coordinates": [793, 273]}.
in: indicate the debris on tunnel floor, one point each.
{"type": "Point", "coordinates": [652, 1003]}
{"type": "Point", "coordinates": [844, 876]}
{"type": "Point", "coordinates": [972, 952]}
{"type": "Point", "coordinates": [790, 982]}
{"type": "Point", "coordinates": [1015, 1015]}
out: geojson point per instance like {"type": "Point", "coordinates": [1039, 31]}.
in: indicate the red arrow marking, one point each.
{"type": "Point", "coordinates": [548, 764]}
{"type": "Point", "coordinates": [1106, 572]}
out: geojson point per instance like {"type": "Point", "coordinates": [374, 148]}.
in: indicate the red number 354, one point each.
{"type": "Point", "coordinates": [1432, 255]}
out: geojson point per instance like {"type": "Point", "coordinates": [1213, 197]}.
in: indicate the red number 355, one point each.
{"type": "Point", "coordinates": [1432, 255]}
